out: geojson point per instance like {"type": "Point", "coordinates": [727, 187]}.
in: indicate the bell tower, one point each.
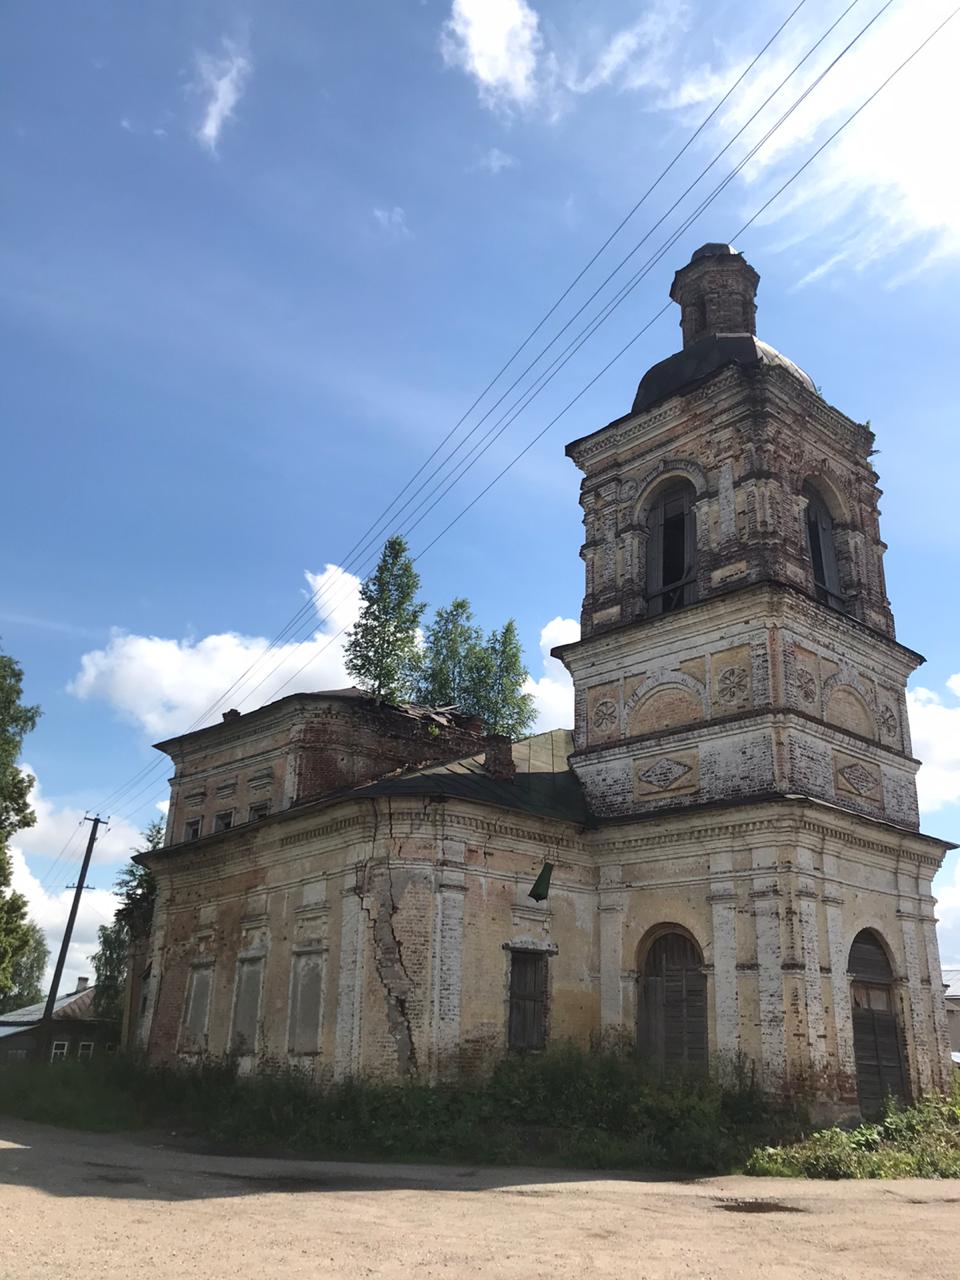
{"type": "Point", "coordinates": [741, 726]}
{"type": "Point", "coordinates": [737, 638]}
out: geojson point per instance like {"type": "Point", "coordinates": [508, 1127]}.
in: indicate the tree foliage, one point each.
{"type": "Point", "coordinates": [449, 657]}
{"type": "Point", "coordinates": [494, 686]}
{"type": "Point", "coordinates": [137, 890]}
{"type": "Point", "coordinates": [381, 651]}
{"type": "Point", "coordinates": [16, 721]}
{"type": "Point", "coordinates": [26, 979]}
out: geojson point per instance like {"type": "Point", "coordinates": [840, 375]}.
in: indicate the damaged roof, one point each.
{"type": "Point", "coordinates": [543, 785]}
{"type": "Point", "coordinates": [74, 1006]}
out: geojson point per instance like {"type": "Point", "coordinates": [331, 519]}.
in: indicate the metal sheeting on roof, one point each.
{"type": "Point", "coordinates": [74, 1006]}
{"type": "Point", "coordinates": [951, 978]}
{"type": "Point", "coordinates": [544, 784]}
{"type": "Point", "coordinates": [686, 369]}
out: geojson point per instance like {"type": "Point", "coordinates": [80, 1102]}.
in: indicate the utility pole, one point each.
{"type": "Point", "coordinates": [47, 1023]}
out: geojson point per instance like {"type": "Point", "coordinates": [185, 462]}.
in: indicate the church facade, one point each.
{"type": "Point", "coordinates": [736, 872]}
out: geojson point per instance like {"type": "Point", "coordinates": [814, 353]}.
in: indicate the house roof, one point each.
{"type": "Point", "coordinates": [543, 785]}
{"type": "Point", "coordinates": [951, 978]}
{"type": "Point", "coordinates": [74, 1006]}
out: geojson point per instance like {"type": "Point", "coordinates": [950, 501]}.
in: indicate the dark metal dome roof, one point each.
{"type": "Point", "coordinates": [699, 361]}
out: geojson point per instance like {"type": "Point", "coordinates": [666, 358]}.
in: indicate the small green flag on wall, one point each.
{"type": "Point", "coordinates": [541, 886]}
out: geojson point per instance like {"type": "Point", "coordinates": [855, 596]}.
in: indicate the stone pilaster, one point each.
{"type": "Point", "coordinates": [766, 903]}
{"type": "Point", "coordinates": [447, 977]}
{"type": "Point", "coordinates": [610, 908]}
{"type": "Point", "coordinates": [347, 1052]}
{"type": "Point", "coordinates": [723, 904]}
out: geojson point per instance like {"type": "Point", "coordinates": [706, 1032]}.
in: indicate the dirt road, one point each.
{"type": "Point", "coordinates": [106, 1207]}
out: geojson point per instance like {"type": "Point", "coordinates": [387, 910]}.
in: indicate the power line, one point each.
{"type": "Point", "coordinates": [569, 405]}
{"type": "Point", "coordinates": [526, 397]}
{"type": "Point", "coordinates": [362, 541]}
{"type": "Point", "coordinates": [623, 350]}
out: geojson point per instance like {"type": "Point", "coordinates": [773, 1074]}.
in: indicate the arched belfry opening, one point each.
{"type": "Point", "coordinates": [877, 1041]}
{"type": "Point", "coordinates": [672, 548]}
{"type": "Point", "coordinates": [672, 1003]}
{"type": "Point", "coordinates": [822, 545]}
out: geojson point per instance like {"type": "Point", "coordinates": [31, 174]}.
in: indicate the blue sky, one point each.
{"type": "Point", "coordinates": [258, 259]}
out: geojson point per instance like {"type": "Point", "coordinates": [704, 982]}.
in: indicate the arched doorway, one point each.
{"type": "Point", "coordinates": [672, 1006]}
{"type": "Point", "coordinates": [877, 1044]}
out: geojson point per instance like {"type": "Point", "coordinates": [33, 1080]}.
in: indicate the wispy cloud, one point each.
{"type": "Point", "coordinates": [497, 43]}
{"type": "Point", "coordinates": [884, 183]}
{"type": "Point", "coordinates": [495, 161]}
{"type": "Point", "coordinates": [393, 221]}
{"type": "Point", "coordinates": [222, 79]}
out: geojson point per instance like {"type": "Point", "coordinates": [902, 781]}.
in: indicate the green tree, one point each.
{"type": "Point", "coordinates": [449, 655]}
{"type": "Point", "coordinates": [16, 721]}
{"type": "Point", "coordinates": [27, 971]}
{"type": "Point", "coordinates": [494, 684]}
{"type": "Point", "coordinates": [381, 650]}
{"type": "Point", "coordinates": [137, 890]}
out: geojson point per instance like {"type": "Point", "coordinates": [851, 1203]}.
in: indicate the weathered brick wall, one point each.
{"type": "Point", "coordinates": [756, 692]}
{"type": "Point", "coordinates": [299, 749]}
{"type": "Point", "coordinates": [748, 441]}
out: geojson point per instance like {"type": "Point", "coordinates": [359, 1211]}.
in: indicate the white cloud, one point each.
{"type": "Point", "coordinates": [50, 910]}
{"type": "Point", "coordinates": [221, 79]}
{"type": "Point", "coordinates": [636, 57]}
{"type": "Point", "coordinates": [948, 915]}
{"type": "Point", "coordinates": [46, 857]}
{"type": "Point", "coordinates": [495, 161]}
{"type": "Point", "coordinates": [164, 685]}
{"type": "Point", "coordinates": [497, 42]}
{"type": "Point", "coordinates": [553, 692]}
{"type": "Point", "coordinates": [393, 221]}
{"type": "Point", "coordinates": [935, 731]}
{"type": "Point", "coordinates": [883, 183]}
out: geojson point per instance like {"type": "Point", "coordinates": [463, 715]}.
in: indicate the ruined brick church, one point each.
{"type": "Point", "coordinates": [732, 825]}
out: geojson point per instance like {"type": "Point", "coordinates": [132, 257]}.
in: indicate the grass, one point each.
{"type": "Point", "coordinates": [563, 1107]}
{"type": "Point", "coordinates": [922, 1141]}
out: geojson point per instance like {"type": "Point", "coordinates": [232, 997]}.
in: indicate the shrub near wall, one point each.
{"type": "Point", "coordinates": [922, 1141]}
{"type": "Point", "coordinates": [565, 1106]}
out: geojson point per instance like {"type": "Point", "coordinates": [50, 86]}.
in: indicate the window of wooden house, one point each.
{"type": "Point", "coordinates": [246, 1005]}
{"type": "Point", "coordinates": [527, 1026]}
{"type": "Point", "coordinates": [59, 1051]}
{"type": "Point", "coordinates": [672, 550]}
{"type": "Point", "coordinates": [306, 987]}
{"type": "Point", "coordinates": [821, 540]}
{"type": "Point", "coordinates": [672, 1006]}
{"type": "Point", "coordinates": [85, 1050]}
{"type": "Point", "coordinates": [196, 1009]}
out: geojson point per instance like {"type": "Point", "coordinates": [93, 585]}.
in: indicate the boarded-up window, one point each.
{"type": "Point", "coordinates": [672, 1012]}
{"type": "Point", "coordinates": [528, 1000]}
{"type": "Point", "coordinates": [305, 993]}
{"type": "Point", "coordinates": [246, 1006]}
{"type": "Point", "coordinates": [876, 1031]}
{"type": "Point", "coordinates": [193, 1037]}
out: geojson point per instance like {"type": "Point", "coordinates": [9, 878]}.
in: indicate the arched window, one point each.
{"type": "Point", "coordinates": [876, 1033]}
{"type": "Point", "coordinates": [823, 549]}
{"type": "Point", "coordinates": [672, 1008]}
{"type": "Point", "coordinates": [672, 550]}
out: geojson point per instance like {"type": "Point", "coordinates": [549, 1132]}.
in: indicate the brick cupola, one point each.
{"type": "Point", "coordinates": [717, 292]}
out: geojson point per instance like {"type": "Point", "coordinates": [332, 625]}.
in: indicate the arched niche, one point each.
{"type": "Point", "coordinates": [845, 707]}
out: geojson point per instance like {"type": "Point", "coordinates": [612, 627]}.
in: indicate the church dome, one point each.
{"type": "Point", "coordinates": [716, 292]}
{"type": "Point", "coordinates": [691, 366]}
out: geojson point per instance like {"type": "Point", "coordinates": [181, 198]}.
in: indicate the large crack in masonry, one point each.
{"type": "Point", "coordinates": [388, 952]}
